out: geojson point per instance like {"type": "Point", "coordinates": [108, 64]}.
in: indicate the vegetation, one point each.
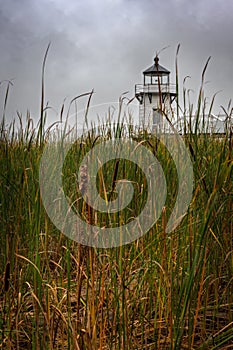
{"type": "Point", "coordinates": [163, 291]}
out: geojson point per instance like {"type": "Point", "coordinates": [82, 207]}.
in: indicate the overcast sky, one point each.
{"type": "Point", "coordinates": [105, 46]}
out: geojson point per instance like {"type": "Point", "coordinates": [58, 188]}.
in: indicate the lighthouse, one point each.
{"type": "Point", "coordinates": [155, 97]}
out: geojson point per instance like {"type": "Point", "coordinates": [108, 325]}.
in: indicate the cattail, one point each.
{"type": "Point", "coordinates": [83, 179]}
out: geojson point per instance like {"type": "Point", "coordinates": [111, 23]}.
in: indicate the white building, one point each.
{"type": "Point", "coordinates": [205, 124]}
{"type": "Point", "coordinates": [155, 96]}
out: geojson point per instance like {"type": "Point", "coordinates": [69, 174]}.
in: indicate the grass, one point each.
{"type": "Point", "coordinates": [163, 291]}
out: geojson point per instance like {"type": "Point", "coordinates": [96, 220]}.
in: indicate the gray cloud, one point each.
{"type": "Point", "coordinates": [106, 45]}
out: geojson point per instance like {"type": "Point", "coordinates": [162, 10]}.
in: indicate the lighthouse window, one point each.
{"type": "Point", "coordinates": [155, 80]}
{"type": "Point", "coordinates": [157, 117]}
{"type": "Point", "coordinates": [148, 80]}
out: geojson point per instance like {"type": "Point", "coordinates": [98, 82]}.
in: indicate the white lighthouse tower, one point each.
{"type": "Point", "coordinates": [155, 97]}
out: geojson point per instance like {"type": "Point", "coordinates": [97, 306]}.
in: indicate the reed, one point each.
{"type": "Point", "coordinates": [163, 291]}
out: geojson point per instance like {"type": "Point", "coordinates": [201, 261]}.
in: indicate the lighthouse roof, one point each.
{"type": "Point", "coordinates": [156, 69]}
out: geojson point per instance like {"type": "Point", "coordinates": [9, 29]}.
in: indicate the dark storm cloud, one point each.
{"type": "Point", "coordinates": [105, 45]}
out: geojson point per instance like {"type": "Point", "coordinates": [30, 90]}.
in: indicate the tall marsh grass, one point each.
{"type": "Point", "coordinates": [163, 291]}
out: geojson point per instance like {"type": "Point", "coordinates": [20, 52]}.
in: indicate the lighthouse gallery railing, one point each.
{"type": "Point", "coordinates": [154, 88]}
